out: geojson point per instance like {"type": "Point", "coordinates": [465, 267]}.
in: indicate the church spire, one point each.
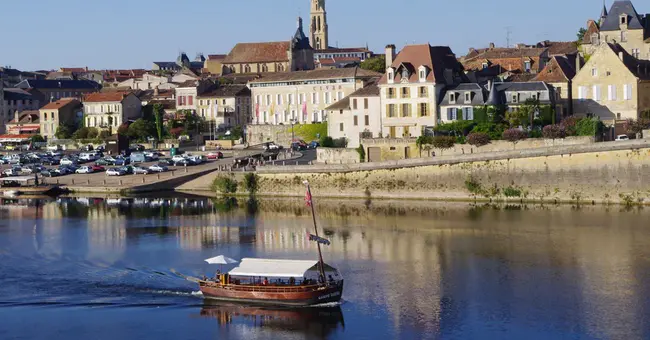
{"type": "Point", "coordinates": [318, 28]}
{"type": "Point", "coordinates": [603, 14]}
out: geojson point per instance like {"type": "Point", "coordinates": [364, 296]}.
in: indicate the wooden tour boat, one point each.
{"type": "Point", "coordinates": [279, 282]}
{"type": "Point", "coordinates": [25, 185]}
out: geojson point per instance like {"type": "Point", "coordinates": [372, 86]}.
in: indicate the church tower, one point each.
{"type": "Point", "coordinates": [318, 31]}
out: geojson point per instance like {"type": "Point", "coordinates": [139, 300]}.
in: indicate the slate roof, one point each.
{"type": "Point", "coordinates": [621, 7]}
{"type": "Point", "coordinates": [167, 64]}
{"type": "Point", "coordinates": [522, 87]}
{"type": "Point", "coordinates": [227, 91]}
{"type": "Point", "coordinates": [477, 95]}
{"type": "Point", "coordinates": [258, 52]}
{"type": "Point", "coordinates": [352, 72]}
{"type": "Point", "coordinates": [342, 50]}
{"type": "Point", "coordinates": [216, 56]}
{"type": "Point", "coordinates": [435, 58]}
{"type": "Point", "coordinates": [370, 90]}
{"type": "Point", "coordinates": [106, 97]}
{"type": "Point", "coordinates": [561, 47]}
{"type": "Point", "coordinates": [81, 84]}
{"type": "Point", "coordinates": [60, 104]}
{"type": "Point", "coordinates": [11, 93]}
{"type": "Point", "coordinates": [520, 77]}
{"type": "Point", "coordinates": [640, 68]}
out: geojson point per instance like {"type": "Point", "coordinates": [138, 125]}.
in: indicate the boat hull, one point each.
{"type": "Point", "coordinates": [290, 297]}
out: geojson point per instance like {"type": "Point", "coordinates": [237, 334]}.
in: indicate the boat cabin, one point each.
{"type": "Point", "coordinates": [279, 272]}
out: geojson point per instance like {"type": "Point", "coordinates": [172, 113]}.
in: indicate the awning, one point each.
{"type": "Point", "coordinates": [276, 268]}
{"type": "Point", "coordinates": [14, 138]}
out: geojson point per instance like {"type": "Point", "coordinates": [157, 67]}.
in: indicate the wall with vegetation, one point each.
{"type": "Point", "coordinates": [281, 134]}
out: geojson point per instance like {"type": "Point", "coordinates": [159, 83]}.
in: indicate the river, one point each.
{"type": "Point", "coordinates": [98, 268]}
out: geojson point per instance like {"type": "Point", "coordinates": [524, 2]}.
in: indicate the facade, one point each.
{"type": "Point", "coordinates": [514, 94]}
{"type": "Point", "coordinates": [63, 111]}
{"type": "Point", "coordinates": [17, 100]}
{"type": "Point", "coordinates": [183, 61]}
{"type": "Point", "coordinates": [13, 76]}
{"type": "Point", "coordinates": [147, 82]}
{"type": "Point", "coordinates": [213, 64]}
{"type": "Point", "coordinates": [53, 90]}
{"type": "Point", "coordinates": [340, 57]}
{"type": "Point", "coordinates": [612, 85]}
{"type": "Point", "coordinates": [356, 116]}
{"type": "Point", "coordinates": [458, 102]}
{"type": "Point", "coordinates": [226, 106]}
{"type": "Point", "coordinates": [558, 74]}
{"type": "Point", "coordinates": [318, 30]}
{"type": "Point", "coordinates": [24, 123]}
{"type": "Point", "coordinates": [520, 59]}
{"type": "Point", "coordinates": [187, 93]}
{"type": "Point", "coordinates": [621, 25]}
{"type": "Point", "coordinates": [411, 88]}
{"type": "Point", "coordinates": [109, 110]}
{"type": "Point", "coordinates": [270, 57]}
{"type": "Point", "coordinates": [303, 96]}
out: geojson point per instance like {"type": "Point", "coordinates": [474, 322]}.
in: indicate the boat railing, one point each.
{"type": "Point", "coordinates": [268, 288]}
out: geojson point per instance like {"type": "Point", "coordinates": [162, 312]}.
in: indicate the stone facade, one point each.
{"type": "Point", "coordinates": [226, 106]}
{"type": "Point", "coordinates": [110, 110]}
{"type": "Point", "coordinates": [318, 29]}
{"type": "Point", "coordinates": [356, 116]}
{"type": "Point", "coordinates": [65, 111]}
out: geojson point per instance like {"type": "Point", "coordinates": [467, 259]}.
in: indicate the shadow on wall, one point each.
{"type": "Point", "coordinates": [587, 107]}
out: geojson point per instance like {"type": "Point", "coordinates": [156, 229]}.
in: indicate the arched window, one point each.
{"type": "Point", "coordinates": [280, 68]}
{"type": "Point", "coordinates": [318, 24]}
{"type": "Point", "coordinates": [247, 69]}
{"type": "Point", "coordinates": [265, 68]}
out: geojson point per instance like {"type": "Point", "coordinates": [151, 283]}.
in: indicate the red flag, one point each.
{"type": "Point", "coordinates": [257, 110]}
{"type": "Point", "coordinates": [308, 198]}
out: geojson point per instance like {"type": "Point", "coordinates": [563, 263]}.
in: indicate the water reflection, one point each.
{"type": "Point", "coordinates": [317, 322]}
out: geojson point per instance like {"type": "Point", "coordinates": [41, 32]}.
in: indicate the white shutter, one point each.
{"type": "Point", "coordinates": [596, 91]}
{"type": "Point", "coordinates": [627, 92]}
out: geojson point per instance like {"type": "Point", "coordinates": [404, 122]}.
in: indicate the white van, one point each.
{"type": "Point", "coordinates": [89, 156]}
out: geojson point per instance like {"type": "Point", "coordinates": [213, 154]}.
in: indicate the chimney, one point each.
{"type": "Point", "coordinates": [390, 55]}
{"type": "Point", "coordinates": [16, 116]}
{"type": "Point", "coordinates": [620, 55]}
{"type": "Point", "coordinates": [155, 91]}
{"type": "Point", "coordinates": [578, 63]}
{"type": "Point", "coordinates": [491, 45]}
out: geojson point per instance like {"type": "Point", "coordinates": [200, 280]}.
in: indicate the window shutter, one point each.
{"type": "Point", "coordinates": [449, 113]}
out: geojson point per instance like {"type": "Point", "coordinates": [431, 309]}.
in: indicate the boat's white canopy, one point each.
{"type": "Point", "coordinates": [277, 268]}
{"type": "Point", "coordinates": [17, 179]}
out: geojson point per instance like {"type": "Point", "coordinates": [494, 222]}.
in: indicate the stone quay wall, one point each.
{"type": "Point", "coordinates": [336, 156]}
{"type": "Point", "coordinates": [612, 172]}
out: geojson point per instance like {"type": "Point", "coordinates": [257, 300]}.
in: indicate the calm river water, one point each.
{"type": "Point", "coordinates": [90, 268]}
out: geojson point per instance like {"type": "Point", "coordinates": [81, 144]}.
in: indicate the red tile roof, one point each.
{"type": "Point", "coordinates": [258, 53]}
{"type": "Point", "coordinates": [435, 58]}
{"type": "Point", "coordinates": [59, 104]}
{"type": "Point", "coordinates": [74, 69]}
{"type": "Point", "coordinates": [97, 97]}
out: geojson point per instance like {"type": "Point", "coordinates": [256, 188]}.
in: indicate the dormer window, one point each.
{"type": "Point", "coordinates": [405, 73]}
{"type": "Point", "coordinates": [595, 39]}
{"type": "Point", "coordinates": [391, 75]}
{"type": "Point", "coordinates": [422, 72]}
{"type": "Point", "coordinates": [485, 65]}
{"type": "Point", "coordinates": [623, 19]}
{"type": "Point", "coordinates": [527, 66]}
{"type": "Point", "coordinates": [468, 97]}
{"type": "Point", "coordinates": [452, 98]}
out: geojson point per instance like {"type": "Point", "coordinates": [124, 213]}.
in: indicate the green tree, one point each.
{"type": "Point", "coordinates": [93, 133]}
{"type": "Point", "coordinates": [81, 133]}
{"type": "Point", "coordinates": [581, 34]}
{"type": "Point", "coordinates": [158, 117]}
{"type": "Point", "coordinates": [377, 64]}
{"type": "Point", "coordinates": [524, 113]}
{"type": "Point", "coordinates": [327, 142]}
{"type": "Point", "coordinates": [123, 129]}
{"type": "Point", "coordinates": [37, 139]}
{"type": "Point", "coordinates": [140, 129]}
{"type": "Point", "coordinates": [104, 134]}
{"type": "Point", "coordinates": [63, 132]}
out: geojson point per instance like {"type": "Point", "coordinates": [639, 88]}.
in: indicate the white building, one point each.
{"type": "Point", "coordinates": [303, 96]}
{"type": "Point", "coordinates": [187, 93]}
{"type": "Point", "coordinates": [226, 106]}
{"type": "Point", "coordinates": [412, 86]}
{"type": "Point", "coordinates": [148, 82]}
{"type": "Point", "coordinates": [111, 109]}
{"type": "Point", "coordinates": [357, 116]}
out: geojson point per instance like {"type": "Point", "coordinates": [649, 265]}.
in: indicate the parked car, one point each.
{"type": "Point", "coordinates": [138, 170]}
{"type": "Point", "coordinates": [66, 161]}
{"type": "Point", "coordinates": [11, 172]}
{"type": "Point", "coordinates": [183, 162]}
{"type": "Point", "coordinates": [178, 158]}
{"type": "Point", "coordinates": [84, 170]}
{"type": "Point", "coordinates": [115, 172]}
{"type": "Point", "coordinates": [151, 155]}
{"type": "Point", "coordinates": [298, 146]}
{"type": "Point", "coordinates": [100, 148]}
{"type": "Point", "coordinates": [215, 155]}
{"type": "Point", "coordinates": [103, 162]}
{"type": "Point", "coordinates": [622, 138]}
{"type": "Point", "coordinates": [128, 169]}
{"type": "Point", "coordinates": [50, 161]}
{"type": "Point", "coordinates": [121, 161]}
{"type": "Point", "coordinates": [313, 145]}
{"type": "Point", "coordinates": [136, 147]}
{"type": "Point", "coordinates": [272, 146]}
{"type": "Point", "coordinates": [50, 173]}
{"type": "Point", "coordinates": [97, 168]}
{"type": "Point", "coordinates": [166, 161]}
{"type": "Point", "coordinates": [87, 148]}
{"type": "Point", "coordinates": [158, 168]}
{"type": "Point", "coordinates": [26, 170]}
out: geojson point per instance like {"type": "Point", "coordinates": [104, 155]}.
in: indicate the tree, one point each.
{"type": "Point", "coordinates": [514, 135]}
{"type": "Point", "coordinates": [377, 64]}
{"type": "Point", "coordinates": [123, 129]}
{"type": "Point", "coordinates": [554, 131]}
{"type": "Point", "coordinates": [37, 139]}
{"type": "Point", "coordinates": [177, 131]}
{"type": "Point", "coordinates": [424, 142]}
{"type": "Point", "coordinates": [444, 142]}
{"type": "Point", "coordinates": [140, 129]}
{"type": "Point", "coordinates": [478, 139]}
{"type": "Point", "coordinates": [158, 117]}
{"type": "Point", "coordinates": [581, 34]}
{"type": "Point", "coordinates": [63, 132]}
{"type": "Point", "coordinates": [569, 124]}
{"type": "Point", "coordinates": [81, 133]}
{"type": "Point", "coordinates": [524, 113]}
{"type": "Point", "coordinates": [92, 133]}
{"type": "Point", "coordinates": [104, 134]}
{"type": "Point", "coordinates": [327, 142]}
{"type": "Point", "coordinates": [110, 120]}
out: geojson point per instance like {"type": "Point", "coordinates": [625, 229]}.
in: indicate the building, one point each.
{"type": "Point", "coordinates": [63, 111]}
{"type": "Point", "coordinates": [340, 57]}
{"type": "Point", "coordinates": [226, 106]}
{"type": "Point", "coordinates": [24, 123]}
{"type": "Point", "coordinates": [181, 62]}
{"type": "Point", "coordinates": [356, 116]}
{"type": "Point", "coordinates": [513, 94]}
{"type": "Point", "coordinates": [2, 94]}
{"type": "Point", "coordinates": [148, 81]}
{"type": "Point", "coordinates": [269, 57]}
{"type": "Point", "coordinates": [458, 102]}
{"type": "Point", "coordinates": [303, 96]}
{"type": "Point", "coordinates": [53, 90]}
{"type": "Point", "coordinates": [187, 93]}
{"type": "Point", "coordinates": [17, 100]}
{"type": "Point", "coordinates": [612, 85]}
{"type": "Point", "coordinates": [109, 110]}
{"type": "Point", "coordinates": [412, 86]}
{"type": "Point", "coordinates": [520, 59]}
{"type": "Point", "coordinates": [558, 74]}
{"type": "Point", "coordinates": [318, 31]}
{"type": "Point", "coordinates": [621, 25]}
{"type": "Point", "coordinates": [214, 64]}
{"type": "Point", "coordinates": [13, 76]}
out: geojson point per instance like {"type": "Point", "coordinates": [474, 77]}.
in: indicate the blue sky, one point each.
{"type": "Point", "coordinates": [48, 34]}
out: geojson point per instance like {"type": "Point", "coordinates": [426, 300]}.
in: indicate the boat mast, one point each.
{"type": "Point", "coordinates": [313, 215]}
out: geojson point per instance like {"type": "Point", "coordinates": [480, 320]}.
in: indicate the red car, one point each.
{"type": "Point", "coordinates": [97, 168]}
{"type": "Point", "coordinates": [214, 155]}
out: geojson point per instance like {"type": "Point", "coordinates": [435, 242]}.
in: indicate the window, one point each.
{"type": "Point", "coordinates": [406, 110]}
{"type": "Point", "coordinates": [392, 133]}
{"type": "Point", "coordinates": [356, 120]}
{"type": "Point", "coordinates": [468, 97]}
{"type": "Point", "coordinates": [618, 116]}
{"type": "Point", "coordinates": [611, 92]}
{"type": "Point", "coordinates": [596, 89]}
{"type": "Point", "coordinates": [366, 120]}
{"type": "Point", "coordinates": [452, 113]}
{"type": "Point", "coordinates": [280, 68]}
{"type": "Point", "coordinates": [391, 93]}
{"type": "Point", "coordinates": [406, 132]}
{"type": "Point", "coordinates": [354, 105]}
{"type": "Point", "coordinates": [423, 109]}
{"type": "Point", "coordinates": [247, 69]}
{"type": "Point", "coordinates": [390, 111]}
{"type": "Point", "coordinates": [291, 100]}
{"type": "Point", "coordinates": [484, 65]}
{"type": "Point", "coordinates": [201, 102]}
{"type": "Point", "coordinates": [52, 115]}
{"type": "Point", "coordinates": [468, 113]}
{"type": "Point", "coordinates": [452, 98]}
{"type": "Point", "coordinates": [636, 53]}
{"type": "Point", "coordinates": [390, 75]}
{"type": "Point", "coordinates": [406, 93]}
{"type": "Point", "coordinates": [45, 116]}
{"type": "Point", "coordinates": [515, 97]}
{"type": "Point", "coordinates": [279, 99]}
{"type": "Point", "coordinates": [623, 19]}
{"type": "Point", "coordinates": [265, 68]}
{"type": "Point", "coordinates": [365, 103]}
{"type": "Point", "coordinates": [623, 36]}
{"type": "Point", "coordinates": [423, 92]}
{"type": "Point", "coordinates": [582, 92]}
{"type": "Point", "coordinates": [627, 92]}
{"type": "Point", "coordinates": [327, 97]}
{"type": "Point", "coordinates": [526, 66]}
{"type": "Point", "coordinates": [341, 127]}
{"type": "Point", "coordinates": [594, 72]}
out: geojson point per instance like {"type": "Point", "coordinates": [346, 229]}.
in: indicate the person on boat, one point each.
{"type": "Point", "coordinates": [331, 279]}
{"type": "Point", "coordinates": [217, 275]}
{"type": "Point", "coordinates": [266, 281]}
{"type": "Point", "coordinates": [292, 281]}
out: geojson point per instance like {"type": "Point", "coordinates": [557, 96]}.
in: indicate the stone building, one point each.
{"type": "Point", "coordinates": [18, 100]}
{"type": "Point", "coordinates": [109, 110]}
{"type": "Point", "coordinates": [458, 102]}
{"type": "Point", "coordinates": [303, 96]}
{"type": "Point", "coordinates": [268, 57]}
{"type": "Point", "coordinates": [411, 88]}
{"type": "Point", "coordinates": [66, 111]}
{"type": "Point", "coordinates": [612, 85]}
{"type": "Point", "coordinates": [356, 116]}
{"type": "Point", "coordinates": [318, 29]}
{"type": "Point", "coordinates": [225, 106]}
{"type": "Point", "coordinates": [53, 90]}
{"type": "Point", "coordinates": [519, 59]}
{"type": "Point", "coordinates": [621, 25]}
{"type": "Point", "coordinates": [558, 74]}
{"type": "Point", "coordinates": [213, 64]}
{"type": "Point", "coordinates": [24, 123]}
